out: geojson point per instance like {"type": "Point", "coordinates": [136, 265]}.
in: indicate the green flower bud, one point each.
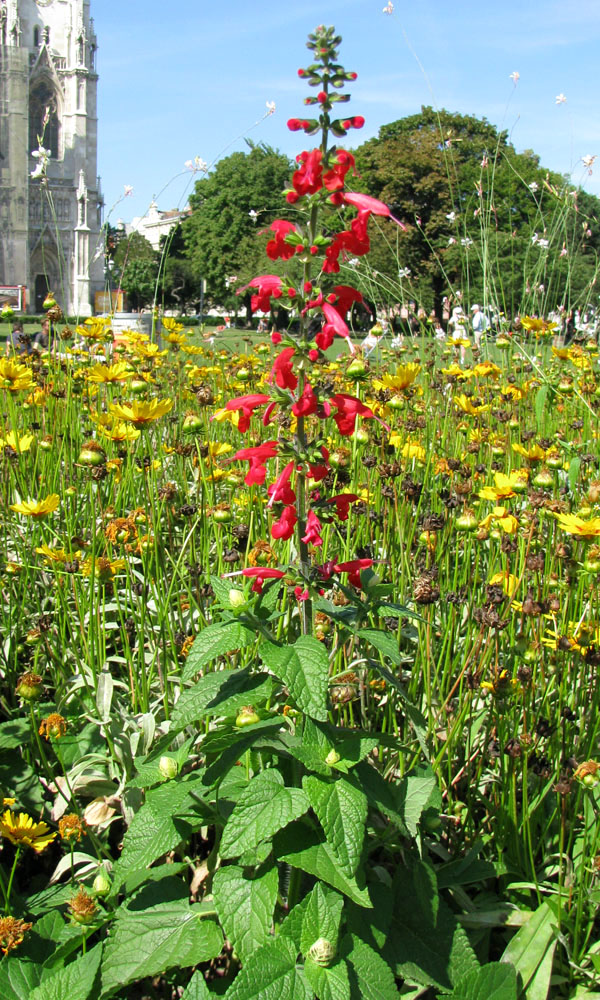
{"type": "Point", "coordinates": [168, 767]}
{"type": "Point", "coordinates": [322, 952]}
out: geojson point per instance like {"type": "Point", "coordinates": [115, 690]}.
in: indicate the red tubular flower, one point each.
{"type": "Point", "coordinates": [276, 337]}
{"type": "Point", "coordinates": [346, 295]}
{"type": "Point", "coordinates": [313, 530]}
{"type": "Point", "coordinates": [268, 285]}
{"type": "Point", "coordinates": [280, 491]}
{"type": "Point", "coordinates": [247, 405]}
{"type": "Point", "coordinates": [307, 403]}
{"type": "Point", "coordinates": [356, 122]}
{"type": "Point", "coordinates": [257, 457]}
{"type": "Point", "coordinates": [342, 503]}
{"type": "Point", "coordinates": [296, 124]}
{"type": "Point", "coordinates": [308, 179]}
{"type": "Point", "coordinates": [333, 180]}
{"type": "Point", "coordinates": [260, 574]}
{"type": "Point", "coordinates": [353, 568]}
{"type": "Point", "coordinates": [364, 203]}
{"type": "Point", "coordinates": [284, 527]}
{"type": "Point", "coordinates": [348, 409]}
{"type": "Point", "coordinates": [333, 317]}
{"type": "Point", "coordinates": [283, 371]}
{"type": "Point", "coordinates": [318, 471]}
{"type": "Point", "coordinates": [278, 248]}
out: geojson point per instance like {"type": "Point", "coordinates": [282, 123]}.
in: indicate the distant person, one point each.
{"type": "Point", "coordinates": [18, 342]}
{"type": "Point", "coordinates": [479, 322]}
{"type": "Point", "coordinates": [41, 340]}
{"type": "Point", "coordinates": [569, 328]}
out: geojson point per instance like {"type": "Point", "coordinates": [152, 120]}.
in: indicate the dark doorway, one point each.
{"type": "Point", "coordinates": [41, 290]}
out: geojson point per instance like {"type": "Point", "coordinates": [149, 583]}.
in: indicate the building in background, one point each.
{"type": "Point", "coordinates": [50, 206]}
{"type": "Point", "coordinates": [155, 223]}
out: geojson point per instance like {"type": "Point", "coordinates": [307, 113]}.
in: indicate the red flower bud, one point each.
{"type": "Point", "coordinates": [292, 197]}
{"type": "Point", "coordinates": [291, 292]}
{"type": "Point", "coordinates": [331, 298]}
{"type": "Point", "coordinates": [321, 96]}
{"type": "Point", "coordinates": [276, 337]}
{"type": "Point", "coordinates": [301, 72]}
{"type": "Point", "coordinates": [308, 287]}
{"type": "Point", "coordinates": [314, 249]}
{"type": "Point", "coordinates": [313, 355]}
{"type": "Point", "coordinates": [295, 124]}
{"type": "Point", "coordinates": [352, 76]}
{"type": "Point", "coordinates": [299, 248]}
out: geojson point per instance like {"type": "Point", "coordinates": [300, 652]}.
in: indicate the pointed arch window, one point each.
{"type": "Point", "coordinates": [43, 119]}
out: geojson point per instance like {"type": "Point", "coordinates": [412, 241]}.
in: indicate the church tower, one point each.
{"type": "Point", "coordinates": [50, 203]}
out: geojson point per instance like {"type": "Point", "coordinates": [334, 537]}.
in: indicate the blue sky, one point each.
{"type": "Point", "coordinates": [190, 79]}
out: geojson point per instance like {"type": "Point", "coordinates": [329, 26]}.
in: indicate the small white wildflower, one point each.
{"type": "Point", "coordinates": [451, 216]}
{"type": "Point", "coordinates": [466, 242]}
{"type": "Point", "coordinates": [534, 186]}
{"type": "Point", "coordinates": [544, 244]}
{"type": "Point", "coordinates": [451, 241]}
{"type": "Point", "coordinates": [515, 77]}
{"type": "Point", "coordinates": [588, 161]}
{"type": "Point", "coordinates": [197, 165]}
{"type": "Point", "coordinates": [253, 215]}
{"type": "Point", "coordinates": [127, 190]}
{"type": "Point", "coordinates": [534, 239]}
{"type": "Point", "coordinates": [43, 158]}
{"type": "Point", "coordinates": [271, 107]}
{"type": "Point", "coordinates": [560, 99]}
{"type": "Point", "coordinates": [389, 8]}
{"type": "Point", "coordinates": [485, 163]}
{"type": "Point", "coordinates": [403, 272]}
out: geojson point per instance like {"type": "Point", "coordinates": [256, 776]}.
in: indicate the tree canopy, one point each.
{"type": "Point", "coordinates": [229, 209]}
{"type": "Point", "coordinates": [480, 216]}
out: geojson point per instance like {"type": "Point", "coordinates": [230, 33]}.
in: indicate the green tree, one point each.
{"type": "Point", "coordinates": [229, 209]}
{"type": "Point", "coordinates": [481, 218]}
{"type": "Point", "coordinates": [135, 269]}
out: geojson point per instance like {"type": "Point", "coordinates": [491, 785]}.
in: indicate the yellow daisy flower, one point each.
{"type": "Point", "coordinates": [141, 413]}
{"type": "Point", "coordinates": [15, 377]}
{"type": "Point", "coordinates": [22, 831]}
{"type": "Point", "coordinates": [37, 508]}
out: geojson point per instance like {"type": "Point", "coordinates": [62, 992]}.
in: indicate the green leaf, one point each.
{"type": "Point", "coordinates": [245, 907]}
{"type": "Point", "coordinates": [148, 772]}
{"type": "Point", "coordinates": [75, 981]}
{"type": "Point", "coordinates": [18, 978]}
{"type": "Point", "coordinates": [197, 989]}
{"type": "Point", "coordinates": [370, 977]}
{"type": "Point", "coordinates": [341, 810]}
{"type": "Point", "coordinates": [387, 645]}
{"type": "Point", "coordinates": [425, 943]}
{"type": "Point", "coordinates": [151, 941]}
{"type": "Point", "coordinates": [495, 981]}
{"type": "Point", "coordinates": [271, 974]}
{"type": "Point", "coordinates": [330, 982]}
{"type": "Point", "coordinates": [413, 793]}
{"type": "Point", "coordinates": [213, 641]}
{"type": "Point", "coordinates": [381, 794]}
{"type": "Point", "coordinates": [304, 669]}
{"type": "Point", "coordinates": [265, 733]}
{"type": "Point", "coordinates": [302, 847]}
{"type": "Point", "coordinates": [529, 949]}
{"type": "Point", "coordinates": [221, 693]}
{"type": "Point", "coordinates": [573, 474]}
{"type": "Point", "coordinates": [540, 403]}
{"type": "Point", "coordinates": [321, 917]}
{"type": "Point", "coordinates": [14, 734]}
{"type": "Point", "coordinates": [264, 807]}
{"type": "Point", "coordinates": [168, 816]}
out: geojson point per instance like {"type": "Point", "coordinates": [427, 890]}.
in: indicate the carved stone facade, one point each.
{"type": "Point", "coordinates": [50, 224]}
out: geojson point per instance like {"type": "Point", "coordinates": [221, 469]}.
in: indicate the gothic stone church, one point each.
{"type": "Point", "coordinates": [50, 225]}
